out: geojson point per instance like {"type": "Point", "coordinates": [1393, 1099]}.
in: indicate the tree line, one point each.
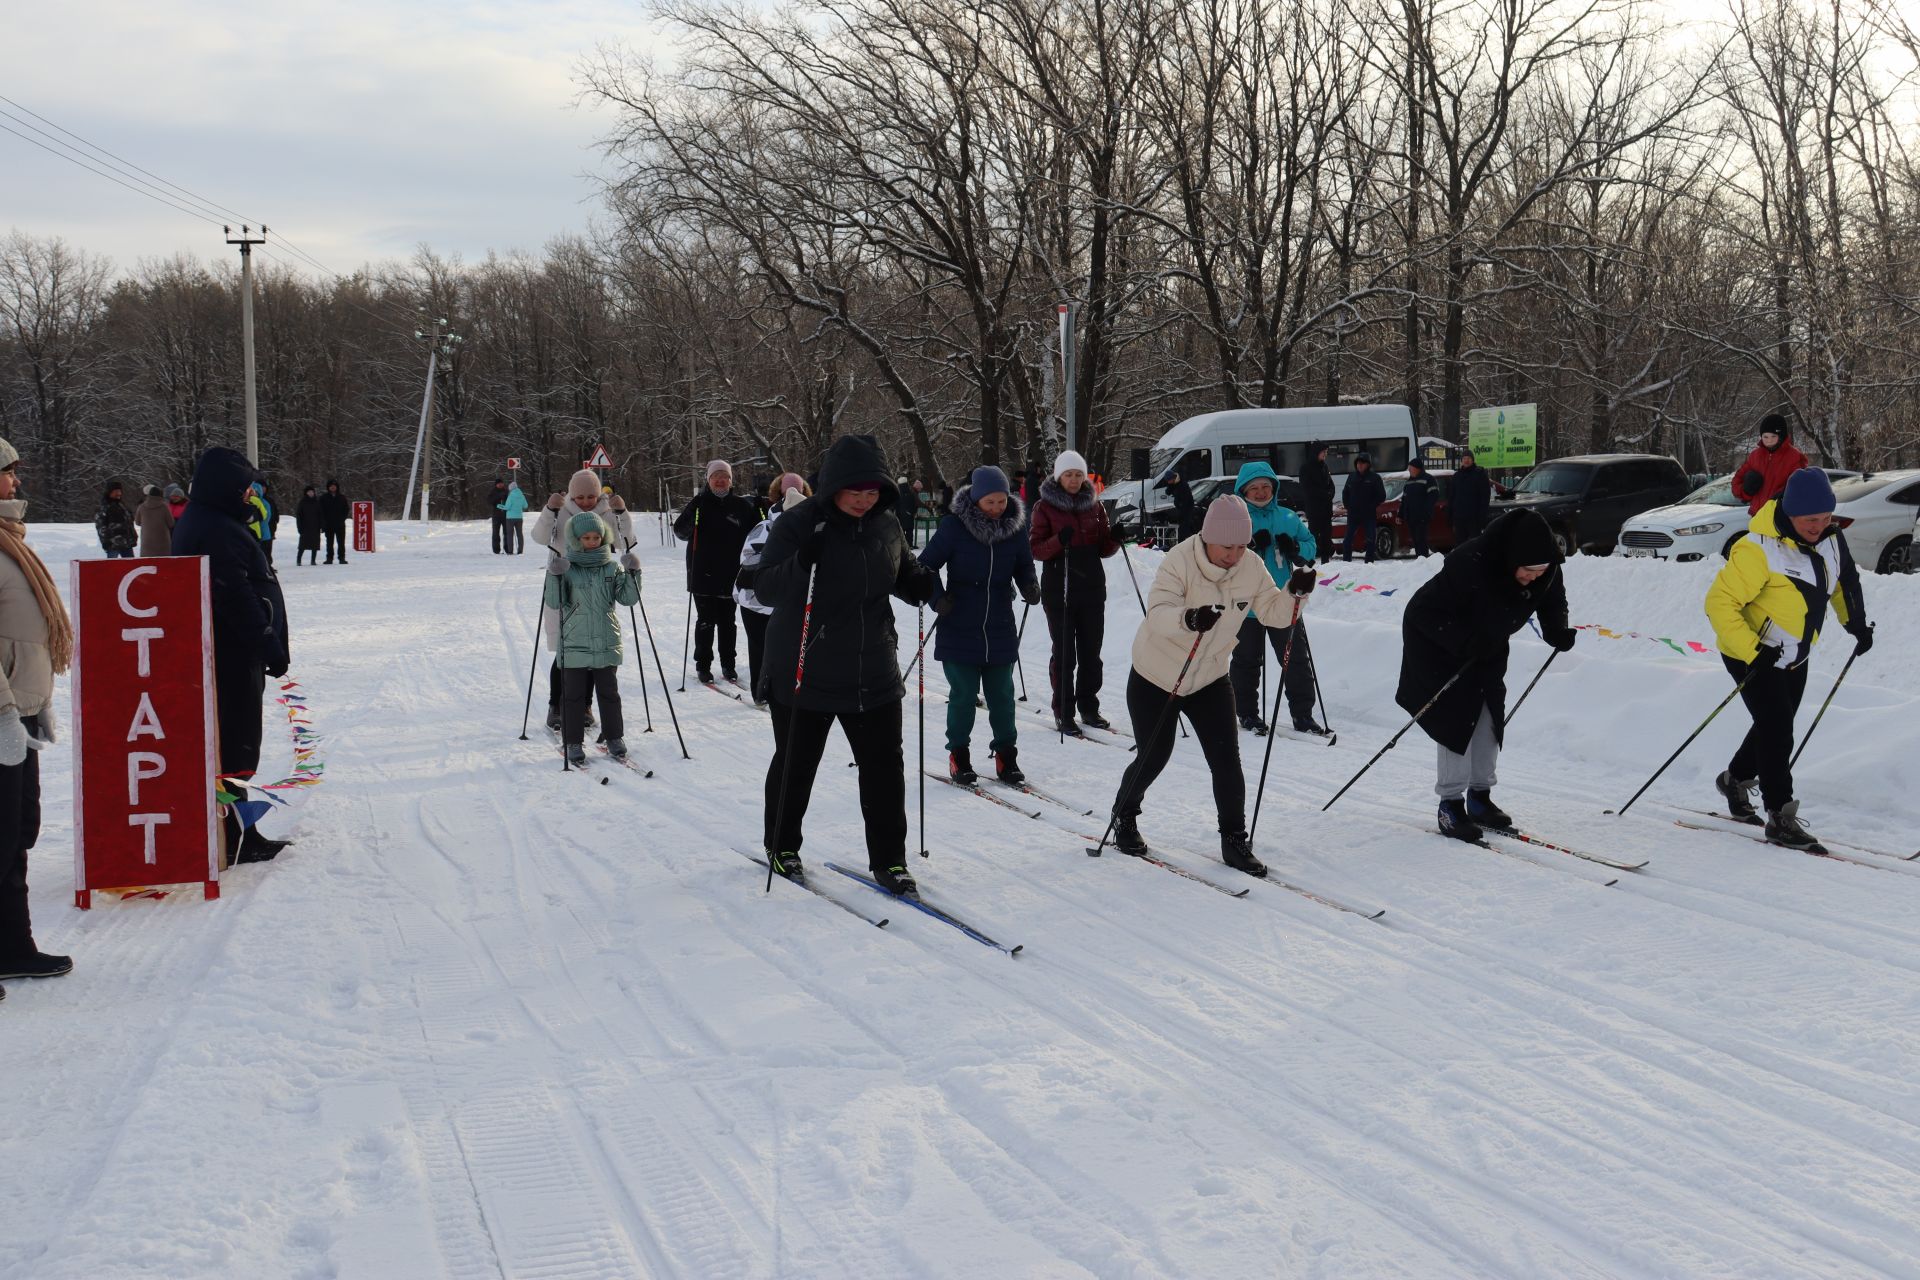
{"type": "Point", "coordinates": [860, 215]}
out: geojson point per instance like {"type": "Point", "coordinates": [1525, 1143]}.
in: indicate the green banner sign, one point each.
{"type": "Point", "coordinates": [1503, 437]}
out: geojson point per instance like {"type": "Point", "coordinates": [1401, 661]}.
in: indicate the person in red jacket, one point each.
{"type": "Point", "coordinates": [1071, 537]}
{"type": "Point", "coordinates": [1763, 476]}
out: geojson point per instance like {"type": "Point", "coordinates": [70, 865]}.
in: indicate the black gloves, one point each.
{"type": "Point", "coordinates": [1261, 541]}
{"type": "Point", "coordinates": [1030, 592]}
{"type": "Point", "coordinates": [1765, 662]}
{"type": "Point", "coordinates": [1561, 638]}
{"type": "Point", "coordinates": [744, 579]}
{"type": "Point", "coordinates": [944, 605]}
{"type": "Point", "coordinates": [1862, 638]}
{"type": "Point", "coordinates": [276, 663]}
{"type": "Point", "coordinates": [810, 543]}
{"type": "Point", "coordinates": [1303, 580]}
{"type": "Point", "coordinates": [1065, 536]}
{"type": "Point", "coordinates": [1750, 483]}
{"type": "Point", "coordinates": [1202, 620]}
{"type": "Point", "coordinates": [1286, 546]}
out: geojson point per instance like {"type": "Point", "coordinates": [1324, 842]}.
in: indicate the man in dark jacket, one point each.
{"type": "Point", "coordinates": [1417, 499]}
{"type": "Point", "coordinates": [114, 524]}
{"type": "Point", "coordinates": [714, 525]}
{"type": "Point", "coordinates": [1363, 494]}
{"type": "Point", "coordinates": [1317, 482]}
{"type": "Point", "coordinates": [249, 618]}
{"type": "Point", "coordinates": [497, 512]}
{"type": "Point", "coordinates": [1457, 625]}
{"type": "Point", "coordinates": [829, 567]}
{"type": "Point", "coordinates": [306, 522]}
{"type": "Point", "coordinates": [1469, 498]}
{"type": "Point", "coordinates": [1184, 516]}
{"type": "Point", "coordinates": [334, 511]}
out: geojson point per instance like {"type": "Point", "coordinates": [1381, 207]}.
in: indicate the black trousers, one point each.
{"type": "Point", "coordinates": [1773, 701]}
{"type": "Point", "coordinates": [1360, 530]}
{"type": "Point", "coordinates": [336, 539]}
{"type": "Point", "coordinates": [19, 828]}
{"type": "Point", "coordinates": [578, 685]}
{"type": "Point", "coordinates": [1320, 524]}
{"type": "Point", "coordinates": [1420, 535]}
{"type": "Point", "coordinates": [756, 629]}
{"type": "Point", "coordinates": [237, 688]}
{"type": "Point", "coordinates": [499, 527]}
{"type": "Point", "coordinates": [711, 614]}
{"type": "Point", "coordinates": [1465, 527]}
{"type": "Point", "coordinates": [874, 736]}
{"type": "Point", "coordinates": [1078, 629]}
{"type": "Point", "coordinates": [307, 549]}
{"type": "Point", "coordinates": [557, 687]}
{"type": "Point", "coordinates": [1244, 673]}
{"type": "Point", "coordinates": [1210, 711]}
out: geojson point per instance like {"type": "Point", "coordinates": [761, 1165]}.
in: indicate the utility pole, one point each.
{"type": "Point", "coordinates": [441, 341]}
{"type": "Point", "coordinates": [246, 244]}
{"type": "Point", "coordinates": [1067, 310]}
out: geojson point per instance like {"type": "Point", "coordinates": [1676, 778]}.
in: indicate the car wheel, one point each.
{"type": "Point", "coordinates": [1898, 556]}
{"type": "Point", "coordinates": [1564, 542]}
{"type": "Point", "coordinates": [1726, 552]}
{"type": "Point", "coordinates": [1384, 543]}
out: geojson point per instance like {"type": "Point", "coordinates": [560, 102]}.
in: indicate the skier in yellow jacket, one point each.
{"type": "Point", "coordinates": [1767, 607]}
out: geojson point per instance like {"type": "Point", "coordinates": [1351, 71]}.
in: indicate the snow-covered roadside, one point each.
{"type": "Point", "coordinates": [486, 1019]}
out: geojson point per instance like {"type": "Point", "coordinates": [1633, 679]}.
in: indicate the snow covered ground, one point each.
{"type": "Point", "coordinates": [485, 1019]}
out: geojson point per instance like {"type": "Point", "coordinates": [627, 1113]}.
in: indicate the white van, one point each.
{"type": "Point", "coordinates": [1217, 443]}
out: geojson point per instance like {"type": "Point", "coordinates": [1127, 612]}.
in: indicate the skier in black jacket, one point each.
{"type": "Point", "coordinates": [829, 568]}
{"type": "Point", "coordinates": [249, 618]}
{"type": "Point", "coordinates": [715, 525]}
{"type": "Point", "coordinates": [334, 511]}
{"type": "Point", "coordinates": [1317, 481]}
{"type": "Point", "coordinates": [1363, 494]}
{"type": "Point", "coordinates": [1459, 622]}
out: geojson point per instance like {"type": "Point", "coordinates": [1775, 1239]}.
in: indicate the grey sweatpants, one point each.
{"type": "Point", "coordinates": [1473, 770]}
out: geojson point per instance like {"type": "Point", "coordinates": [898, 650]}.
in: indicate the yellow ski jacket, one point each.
{"type": "Point", "coordinates": [1775, 589]}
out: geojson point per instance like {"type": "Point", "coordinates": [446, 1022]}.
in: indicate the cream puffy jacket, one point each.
{"type": "Point", "coordinates": [1188, 580]}
{"type": "Point", "coordinates": [26, 669]}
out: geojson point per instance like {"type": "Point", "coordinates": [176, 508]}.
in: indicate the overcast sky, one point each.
{"type": "Point", "coordinates": [360, 127]}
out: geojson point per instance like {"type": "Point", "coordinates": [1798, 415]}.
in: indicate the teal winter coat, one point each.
{"type": "Point", "coordinates": [516, 504]}
{"type": "Point", "coordinates": [586, 597]}
{"type": "Point", "coordinates": [1279, 521]}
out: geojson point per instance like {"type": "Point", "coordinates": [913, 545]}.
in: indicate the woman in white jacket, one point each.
{"type": "Point", "coordinates": [1180, 667]}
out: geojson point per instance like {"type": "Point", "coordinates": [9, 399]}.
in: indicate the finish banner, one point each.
{"type": "Point", "coordinates": [363, 526]}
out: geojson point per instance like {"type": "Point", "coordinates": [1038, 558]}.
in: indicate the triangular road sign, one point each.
{"type": "Point", "coordinates": [599, 458]}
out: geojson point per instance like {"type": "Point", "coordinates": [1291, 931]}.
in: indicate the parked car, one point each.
{"type": "Point", "coordinates": [1586, 499]}
{"type": "Point", "coordinates": [1391, 536]}
{"type": "Point", "coordinates": [1706, 522]}
{"type": "Point", "coordinates": [1877, 510]}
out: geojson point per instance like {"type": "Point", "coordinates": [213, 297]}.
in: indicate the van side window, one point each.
{"type": "Point", "coordinates": [1236, 456]}
{"type": "Point", "coordinates": [1196, 465]}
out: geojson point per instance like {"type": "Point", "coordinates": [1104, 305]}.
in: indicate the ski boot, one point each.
{"type": "Point", "coordinates": [255, 847]}
{"type": "Point", "coordinates": [1253, 724]}
{"type": "Point", "coordinates": [1785, 828]}
{"type": "Point", "coordinates": [703, 674]}
{"type": "Point", "coordinates": [617, 748]}
{"type": "Point", "coordinates": [576, 755]}
{"type": "Point", "coordinates": [553, 717]}
{"type": "Point", "coordinates": [1454, 822]}
{"type": "Point", "coordinates": [1484, 812]}
{"type": "Point", "coordinates": [1067, 726]}
{"type": "Point", "coordinates": [960, 767]}
{"type": "Point", "coordinates": [788, 865]}
{"type": "Point", "coordinates": [896, 881]}
{"type": "Point", "coordinates": [1094, 720]}
{"type": "Point", "coordinates": [1307, 724]}
{"type": "Point", "coordinates": [1237, 852]}
{"type": "Point", "coordinates": [589, 722]}
{"type": "Point", "coordinates": [1006, 767]}
{"type": "Point", "coordinates": [37, 965]}
{"type": "Point", "coordinates": [1126, 835]}
{"type": "Point", "coordinates": [1738, 793]}
{"type": "Point", "coordinates": [730, 675]}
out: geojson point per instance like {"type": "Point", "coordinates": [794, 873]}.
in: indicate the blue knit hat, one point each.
{"type": "Point", "coordinates": [1808, 493]}
{"type": "Point", "coordinates": [986, 480]}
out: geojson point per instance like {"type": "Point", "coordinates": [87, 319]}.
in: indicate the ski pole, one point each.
{"type": "Point", "coordinates": [1063, 679]}
{"type": "Point", "coordinates": [1515, 708]}
{"type": "Point", "coordinates": [661, 671]}
{"type": "Point", "coordinates": [920, 624]}
{"type": "Point", "coordinates": [1130, 578]}
{"type": "Point", "coordinates": [1689, 742]}
{"type": "Point", "coordinates": [1279, 691]}
{"type": "Point", "coordinates": [1139, 760]}
{"type": "Point", "coordinates": [922, 649]}
{"type": "Point", "coordinates": [1313, 669]}
{"type": "Point", "coordinates": [793, 716]}
{"type": "Point", "coordinates": [639, 660]}
{"type": "Point", "coordinates": [534, 662]}
{"type": "Point", "coordinates": [1824, 704]}
{"type": "Point", "coordinates": [1395, 739]}
{"type": "Point", "coordinates": [1019, 636]}
{"type": "Point", "coordinates": [686, 638]}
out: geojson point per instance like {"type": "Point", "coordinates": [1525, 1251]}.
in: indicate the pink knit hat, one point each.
{"type": "Point", "coordinates": [1227, 523]}
{"type": "Point", "coordinates": [584, 488]}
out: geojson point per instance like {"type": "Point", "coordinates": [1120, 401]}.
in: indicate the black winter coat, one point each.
{"type": "Point", "coordinates": [306, 518]}
{"type": "Point", "coordinates": [1469, 498]}
{"type": "Point", "coordinates": [853, 661]}
{"type": "Point", "coordinates": [714, 528]}
{"type": "Point", "coordinates": [249, 614]}
{"type": "Point", "coordinates": [1318, 483]}
{"type": "Point", "coordinates": [1364, 493]}
{"type": "Point", "coordinates": [334, 508]}
{"type": "Point", "coordinates": [1468, 610]}
{"type": "Point", "coordinates": [1417, 498]}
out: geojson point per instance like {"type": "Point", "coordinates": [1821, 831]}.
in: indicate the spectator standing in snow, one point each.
{"type": "Point", "coordinates": [264, 518]}
{"type": "Point", "coordinates": [249, 619]}
{"type": "Point", "coordinates": [714, 525]}
{"type": "Point", "coordinates": [550, 531]}
{"type": "Point", "coordinates": [176, 501]}
{"type": "Point", "coordinates": [1185, 517]}
{"type": "Point", "coordinates": [1417, 499]}
{"type": "Point", "coordinates": [513, 511]}
{"type": "Point", "coordinates": [983, 548]}
{"type": "Point", "coordinates": [787, 490]}
{"type": "Point", "coordinates": [1180, 668]}
{"type": "Point", "coordinates": [1283, 543]}
{"type": "Point", "coordinates": [1469, 499]}
{"type": "Point", "coordinates": [306, 525]}
{"type": "Point", "coordinates": [1070, 537]}
{"type": "Point", "coordinates": [1363, 494]}
{"type": "Point", "coordinates": [156, 523]}
{"type": "Point", "coordinates": [1317, 482]}
{"type": "Point", "coordinates": [334, 512]}
{"type": "Point", "coordinates": [1767, 605]}
{"type": "Point", "coordinates": [829, 566]}
{"type": "Point", "coordinates": [1763, 476]}
{"type": "Point", "coordinates": [1460, 621]}
{"type": "Point", "coordinates": [36, 644]}
{"type": "Point", "coordinates": [497, 512]}
{"type": "Point", "coordinates": [584, 588]}
{"type": "Point", "coordinates": [113, 524]}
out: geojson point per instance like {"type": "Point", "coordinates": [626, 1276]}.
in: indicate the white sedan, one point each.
{"type": "Point", "coordinates": [1706, 522]}
{"type": "Point", "coordinates": [1878, 512]}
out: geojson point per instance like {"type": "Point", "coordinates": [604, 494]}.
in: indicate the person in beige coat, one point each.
{"type": "Point", "coordinates": [36, 643]}
{"type": "Point", "coordinates": [156, 524]}
{"type": "Point", "coordinates": [550, 531]}
{"type": "Point", "coordinates": [1181, 656]}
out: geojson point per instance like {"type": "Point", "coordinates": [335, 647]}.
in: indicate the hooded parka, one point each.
{"type": "Point", "coordinates": [984, 559]}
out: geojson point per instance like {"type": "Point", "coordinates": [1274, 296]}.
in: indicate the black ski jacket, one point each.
{"type": "Point", "coordinates": [249, 614]}
{"type": "Point", "coordinates": [1318, 483]}
{"type": "Point", "coordinates": [715, 529]}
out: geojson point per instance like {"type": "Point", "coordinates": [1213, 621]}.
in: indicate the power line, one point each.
{"type": "Point", "coordinates": [200, 199]}
{"type": "Point", "coordinates": [192, 213]}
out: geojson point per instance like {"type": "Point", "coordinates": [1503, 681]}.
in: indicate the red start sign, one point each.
{"type": "Point", "coordinates": [144, 726]}
{"type": "Point", "coordinates": [363, 526]}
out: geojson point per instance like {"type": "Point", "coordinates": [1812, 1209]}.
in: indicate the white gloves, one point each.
{"type": "Point", "coordinates": [13, 738]}
{"type": "Point", "coordinates": [49, 727]}
{"type": "Point", "coordinates": [630, 562]}
{"type": "Point", "coordinates": [557, 565]}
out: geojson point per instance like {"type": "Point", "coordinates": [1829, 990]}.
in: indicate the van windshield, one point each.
{"type": "Point", "coordinates": [1555, 479]}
